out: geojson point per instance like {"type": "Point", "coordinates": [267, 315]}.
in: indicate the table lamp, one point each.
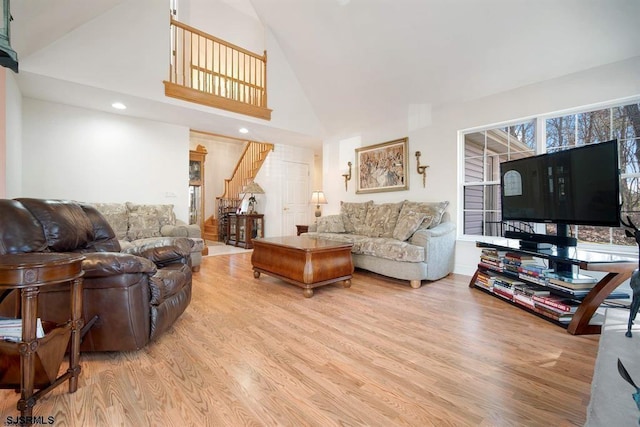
{"type": "Point", "coordinates": [253, 188]}
{"type": "Point", "coordinates": [317, 198]}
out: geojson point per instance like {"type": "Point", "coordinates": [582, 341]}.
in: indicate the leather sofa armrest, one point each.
{"type": "Point", "coordinates": [105, 264]}
{"type": "Point", "coordinates": [162, 250]}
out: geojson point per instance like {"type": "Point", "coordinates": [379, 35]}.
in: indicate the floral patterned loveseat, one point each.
{"type": "Point", "coordinates": [405, 240]}
{"type": "Point", "coordinates": [133, 221]}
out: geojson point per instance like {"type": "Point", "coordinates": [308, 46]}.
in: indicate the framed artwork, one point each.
{"type": "Point", "coordinates": [382, 167]}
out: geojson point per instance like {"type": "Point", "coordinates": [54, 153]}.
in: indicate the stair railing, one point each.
{"type": "Point", "coordinates": [250, 162]}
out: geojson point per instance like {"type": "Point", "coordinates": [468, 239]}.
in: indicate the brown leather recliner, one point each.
{"type": "Point", "coordinates": [134, 296]}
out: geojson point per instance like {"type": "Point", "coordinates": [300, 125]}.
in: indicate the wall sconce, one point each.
{"type": "Point", "coordinates": [422, 170]}
{"type": "Point", "coordinates": [347, 176]}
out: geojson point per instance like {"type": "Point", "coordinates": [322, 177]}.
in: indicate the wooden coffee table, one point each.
{"type": "Point", "coordinates": [303, 261]}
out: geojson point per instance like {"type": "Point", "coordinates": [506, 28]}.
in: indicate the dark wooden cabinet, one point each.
{"type": "Point", "coordinates": [196, 186]}
{"type": "Point", "coordinates": [243, 228]}
{"type": "Point", "coordinates": [301, 229]}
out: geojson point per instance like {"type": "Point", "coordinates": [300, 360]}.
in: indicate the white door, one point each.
{"type": "Point", "coordinates": [295, 206]}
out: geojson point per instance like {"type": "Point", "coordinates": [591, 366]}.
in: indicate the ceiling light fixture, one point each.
{"type": "Point", "coordinates": [243, 130]}
{"type": "Point", "coordinates": [119, 106]}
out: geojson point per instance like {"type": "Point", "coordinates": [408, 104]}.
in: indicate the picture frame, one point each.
{"type": "Point", "coordinates": [383, 167]}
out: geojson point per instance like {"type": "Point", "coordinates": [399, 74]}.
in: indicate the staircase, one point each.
{"type": "Point", "coordinates": [245, 171]}
{"type": "Point", "coordinates": [210, 231]}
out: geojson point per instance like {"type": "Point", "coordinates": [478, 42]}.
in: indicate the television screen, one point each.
{"type": "Point", "coordinates": [576, 186]}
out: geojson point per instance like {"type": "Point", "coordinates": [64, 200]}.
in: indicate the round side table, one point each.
{"type": "Point", "coordinates": [36, 360]}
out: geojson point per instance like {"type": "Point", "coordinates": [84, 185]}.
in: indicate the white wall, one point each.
{"type": "Point", "coordinates": [78, 154]}
{"type": "Point", "coordinates": [225, 20]}
{"type": "Point", "coordinates": [438, 138]}
{"type": "Point", "coordinates": [13, 173]}
{"type": "Point", "coordinates": [271, 176]}
{"type": "Point", "coordinates": [126, 49]}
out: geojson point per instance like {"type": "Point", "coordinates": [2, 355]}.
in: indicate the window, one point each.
{"type": "Point", "coordinates": [485, 150]}
{"type": "Point", "coordinates": [483, 153]}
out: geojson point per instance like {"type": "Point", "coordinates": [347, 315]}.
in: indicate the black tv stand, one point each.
{"type": "Point", "coordinates": [535, 241]}
{"type": "Point", "coordinates": [535, 246]}
{"type": "Point", "coordinates": [618, 269]}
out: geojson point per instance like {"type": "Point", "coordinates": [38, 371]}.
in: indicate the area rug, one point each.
{"type": "Point", "coordinates": [611, 396]}
{"type": "Point", "coordinates": [222, 249]}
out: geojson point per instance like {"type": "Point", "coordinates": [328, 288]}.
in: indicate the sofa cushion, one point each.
{"type": "Point", "coordinates": [166, 215]}
{"type": "Point", "coordinates": [408, 223]}
{"type": "Point", "coordinates": [330, 224]}
{"type": "Point", "coordinates": [381, 247]}
{"type": "Point", "coordinates": [433, 209]}
{"type": "Point", "coordinates": [392, 249]}
{"type": "Point", "coordinates": [66, 226]}
{"type": "Point", "coordinates": [19, 230]}
{"type": "Point", "coordinates": [104, 239]}
{"type": "Point", "coordinates": [354, 215]}
{"type": "Point", "coordinates": [381, 219]}
{"type": "Point", "coordinates": [117, 216]}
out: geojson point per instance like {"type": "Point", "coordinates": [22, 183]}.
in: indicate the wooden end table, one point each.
{"type": "Point", "coordinates": [40, 358]}
{"type": "Point", "coordinates": [303, 261]}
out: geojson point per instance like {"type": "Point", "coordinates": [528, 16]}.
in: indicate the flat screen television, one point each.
{"type": "Point", "coordinates": [576, 186]}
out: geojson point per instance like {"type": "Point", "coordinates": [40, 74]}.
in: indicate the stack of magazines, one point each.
{"type": "Point", "coordinates": [11, 329]}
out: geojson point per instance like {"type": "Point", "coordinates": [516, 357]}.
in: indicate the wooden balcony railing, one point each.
{"type": "Point", "coordinates": [210, 71]}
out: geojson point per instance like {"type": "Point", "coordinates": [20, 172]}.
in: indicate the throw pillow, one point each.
{"type": "Point", "coordinates": [381, 219]}
{"type": "Point", "coordinates": [330, 224]}
{"type": "Point", "coordinates": [408, 223]}
{"type": "Point", "coordinates": [166, 216]}
{"type": "Point", "coordinates": [433, 209]}
{"type": "Point", "coordinates": [354, 215]}
{"type": "Point", "coordinates": [143, 222]}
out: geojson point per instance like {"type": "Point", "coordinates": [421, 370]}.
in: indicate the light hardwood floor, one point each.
{"type": "Point", "coordinates": [255, 352]}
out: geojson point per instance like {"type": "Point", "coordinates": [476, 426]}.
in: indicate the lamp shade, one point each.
{"type": "Point", "coordinates": [317, 198]}
{"type": "Point", "coordinates": [253, 188]}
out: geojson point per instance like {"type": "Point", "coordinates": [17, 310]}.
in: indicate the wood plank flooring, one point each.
{"type": "Point", "coordinates": [255, 352]}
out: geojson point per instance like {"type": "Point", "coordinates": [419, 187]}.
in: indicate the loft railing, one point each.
{"type": "Point", "coordinates": [210, 71]}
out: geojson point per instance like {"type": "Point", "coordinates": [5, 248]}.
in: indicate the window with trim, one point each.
{"type": "Point", "coordinates": [485, 150]}
{"type": "Point", "coordinates": [483, 153]}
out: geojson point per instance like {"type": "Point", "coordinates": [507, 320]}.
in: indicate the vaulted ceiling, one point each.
{"type": "Point", "coordinates": [363, 61]}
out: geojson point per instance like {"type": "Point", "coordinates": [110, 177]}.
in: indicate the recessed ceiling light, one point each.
{"type": "Point", "coordinates": [243, 130]}
{"type": "Point", "coordinates": [119, 106]}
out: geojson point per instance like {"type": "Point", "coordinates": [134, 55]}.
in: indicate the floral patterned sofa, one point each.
{"type": "Point", "coordinates": [406, 240]}
{"type": "Point", "coordinates": [132, 221]}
